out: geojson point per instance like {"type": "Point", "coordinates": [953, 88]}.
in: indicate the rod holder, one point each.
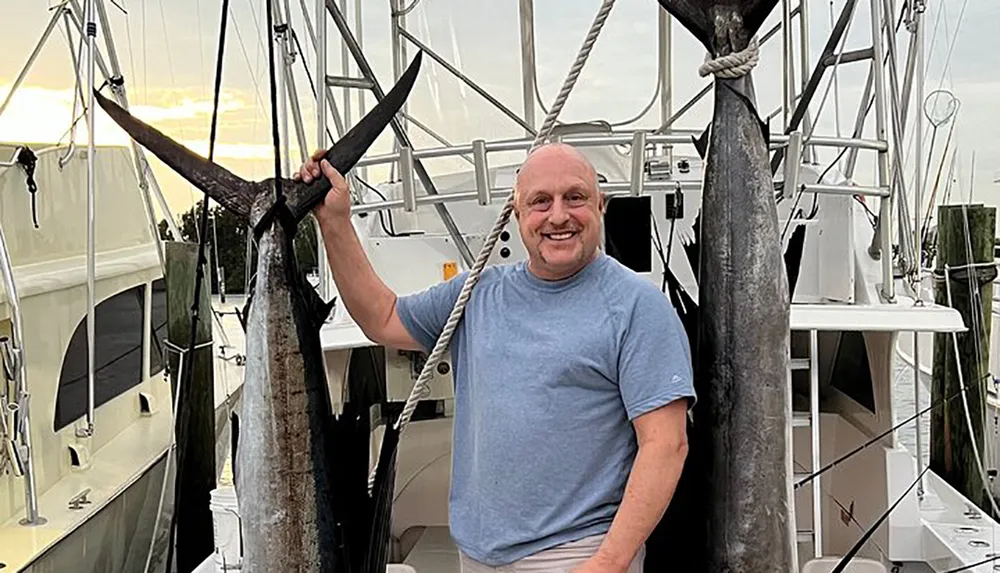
{"type": "Point", "coordinates": [406, 177]}
{"type": "Point", "coordinates": [482, 171]}
{"type": "Point", "coordinates": [638, 163]}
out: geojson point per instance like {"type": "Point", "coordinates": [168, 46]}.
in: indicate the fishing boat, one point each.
{"type": "Point", "coordinates": [86, 408]}
{"type": "Point", "coordinates": [427, 203]}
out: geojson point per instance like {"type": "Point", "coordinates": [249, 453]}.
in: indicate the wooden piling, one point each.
{"type": "Point", "coordinates": [195, 419]}
{"type": "Point", "coordinates": [963, 230]}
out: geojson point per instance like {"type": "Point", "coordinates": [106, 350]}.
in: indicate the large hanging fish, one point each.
{"type": "Point", "coordinates": [302, 485]}
{"type": "Point", "coordinates": [734, 506]}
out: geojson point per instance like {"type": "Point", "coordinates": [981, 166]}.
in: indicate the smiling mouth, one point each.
{"type": "Point", "coordinates": [561, 236]}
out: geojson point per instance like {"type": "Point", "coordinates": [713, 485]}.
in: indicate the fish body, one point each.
{"type": "Point", "coordinates": [741, 431]}
{"type": "Point", "coordinates": [301, 470]}
{"type": "Point", "coordinates": [284, 481]}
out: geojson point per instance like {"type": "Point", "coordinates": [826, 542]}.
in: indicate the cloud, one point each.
{"type": "Point", "coordinates": [188, 108]}
{"type": "Point", "coordinates": [43, 115]}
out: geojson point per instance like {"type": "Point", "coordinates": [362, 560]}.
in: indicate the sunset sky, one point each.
{"type": "Point", "coordinates": [167, 51]}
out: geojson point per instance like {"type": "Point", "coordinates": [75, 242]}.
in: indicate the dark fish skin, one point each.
{"type": "Point", "coordinates": [741, 433]}
{"type": "Point", "coordinates": [301, 472]}
{"type": "Point", "coordinates": [743, 348]}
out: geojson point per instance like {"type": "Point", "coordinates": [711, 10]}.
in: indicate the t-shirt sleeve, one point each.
{"type": "Point", "coordinates": [655, 358]}
{"type": "Point", "coordinates": [425, 313]}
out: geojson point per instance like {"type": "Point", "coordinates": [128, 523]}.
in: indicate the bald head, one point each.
{"type": "Point", "coordinates": [557, 159]}
{"type": "Point", "coordinates": [558, 208]}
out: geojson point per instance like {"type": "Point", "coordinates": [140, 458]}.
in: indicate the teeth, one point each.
{"type": "Point", "coordinates": [560, 236]}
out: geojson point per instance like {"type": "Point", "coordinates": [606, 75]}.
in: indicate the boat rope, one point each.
{"type": "Point", "coordinates": [185, 377]}
{"type": "Point", "coordinates": [732, 66]}
{"type": "Point", "coordinates": [421, 388]}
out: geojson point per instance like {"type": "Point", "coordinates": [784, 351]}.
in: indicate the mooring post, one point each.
{"type": "Point", "coordinates": [194, 422]}
{"type": "Point", "coordinates": [963, 275]}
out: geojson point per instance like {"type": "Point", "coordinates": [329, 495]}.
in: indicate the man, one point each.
{"type": "Point", "coordinates": [572, 379]}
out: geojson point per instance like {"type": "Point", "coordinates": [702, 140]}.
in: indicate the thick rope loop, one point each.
{"type": "Point", "coordinates": [421, 388]}
{"type": "Point", "coordinates": [732, 66]}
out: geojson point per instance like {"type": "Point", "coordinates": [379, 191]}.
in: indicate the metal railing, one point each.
{"type": "Point", "coordinates": [17, 405]}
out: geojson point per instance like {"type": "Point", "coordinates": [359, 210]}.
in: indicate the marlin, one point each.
{"type": "Point", "coordinates": [302, 471]}
{"type": "Point", "coordinates": [737, 477]}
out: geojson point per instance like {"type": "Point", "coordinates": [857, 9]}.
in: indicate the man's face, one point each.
{"type": "Point", "coordinates": [558, 209]}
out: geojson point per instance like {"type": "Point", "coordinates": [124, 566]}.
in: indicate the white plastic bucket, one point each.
{"type": "Point", "coordinates": [226, 523]}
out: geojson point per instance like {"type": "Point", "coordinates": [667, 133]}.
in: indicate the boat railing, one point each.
{"type": "Point", "coordinates": [640, 181]}
{"type": "Point", "coordinates": [15, 398]}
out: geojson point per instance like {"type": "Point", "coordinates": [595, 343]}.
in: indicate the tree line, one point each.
{"type": "Point", "coordinates": [231, 234]}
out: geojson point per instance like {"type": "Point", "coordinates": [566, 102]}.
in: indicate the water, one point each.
{"type": "Point", "coordinates": [903, 408]}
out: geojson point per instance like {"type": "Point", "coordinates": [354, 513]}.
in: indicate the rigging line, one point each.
{"type": "Point", "coordinates": [275, 136]}
{"type": "Point", "coordinates": [845, 510]}
{"type": "Point", "coordinates": [975, 298]}
{"type": "Point", "coordinates": [945, 67]}
{"type": "Point", "coordinates": [541, 105]}
{"type": "Point", "coordinates": [871, 530]}
{"type": "Point", "coordinates": [875, 440]}
{"type": "Point", "coordinates": [965, 402]}
{"type": "Point", "coordinates": [186, 376]}
{"type": "Point", "coordinates": [246, 57]}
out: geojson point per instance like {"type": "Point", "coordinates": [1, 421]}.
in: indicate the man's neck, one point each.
{"type": "Point", "coordinates": [565, 275]}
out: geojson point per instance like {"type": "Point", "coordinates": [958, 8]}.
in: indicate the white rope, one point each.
{"type": "Point", "coordinates": [421, 389]}
{"type": "Point", "coordinates": [731, 66]}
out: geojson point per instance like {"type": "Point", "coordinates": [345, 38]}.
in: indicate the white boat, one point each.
{"type": "Point", "coordinates": [848, 313]}
{"type": "Point", "coordinates": [84, 450]}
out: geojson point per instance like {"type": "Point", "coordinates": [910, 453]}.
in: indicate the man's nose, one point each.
{"type": "Point", "coordinates": [558, 214]}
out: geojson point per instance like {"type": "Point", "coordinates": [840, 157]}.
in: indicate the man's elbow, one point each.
{"type": "Point", "coordinates": [674, 448]}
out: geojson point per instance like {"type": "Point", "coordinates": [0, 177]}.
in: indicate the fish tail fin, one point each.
{"type": "Point", "coordinates": [699, 16]}
{"type": "Point", "coordinates": [232, 192]}
{"type": "Point", "coordinates": [344, 154]}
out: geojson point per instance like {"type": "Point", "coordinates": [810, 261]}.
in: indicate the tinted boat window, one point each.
{"type": "Point", "coordinates": [158, 328]}
{"type": "Point", "coordinates": [117, 356]}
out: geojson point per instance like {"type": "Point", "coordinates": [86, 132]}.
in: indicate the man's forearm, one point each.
{"type": "Point", "coordinates": [650, 487]}
{"type": "Point", "coordinates": [368, 300]}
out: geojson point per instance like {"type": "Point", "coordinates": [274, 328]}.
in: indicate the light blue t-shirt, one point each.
{"type": "Point", "coordinates": [548, 376]}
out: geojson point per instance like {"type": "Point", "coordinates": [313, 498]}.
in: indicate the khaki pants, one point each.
{"type": "Point", "coordinates": [560, 559]}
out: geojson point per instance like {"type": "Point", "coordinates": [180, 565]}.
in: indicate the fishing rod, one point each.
{"type": "Point", "coordinates": [846, 560]}
{"type": "Point", "coordinates": [877, 438]}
